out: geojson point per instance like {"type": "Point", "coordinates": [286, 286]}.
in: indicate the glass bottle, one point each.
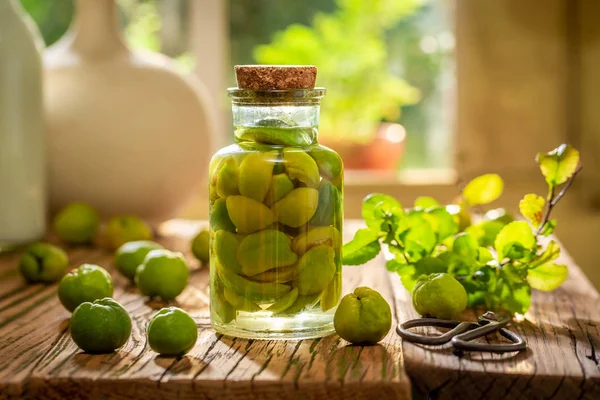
{"type": "Point", "coordinates": [276, 220]}
{"type": "Point", "coordinates": [22, 144]}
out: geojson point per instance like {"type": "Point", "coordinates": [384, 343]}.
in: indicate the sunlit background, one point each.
{"type": "Point", "coordinates": [408, 56]}
{"type": "Point", "coordinates": [422, 94]}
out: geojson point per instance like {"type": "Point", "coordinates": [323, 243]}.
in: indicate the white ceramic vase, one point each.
{"type": "Point", "coordinates": [22, 151]}
{"type": "Point", "coordinates": [126, 133]}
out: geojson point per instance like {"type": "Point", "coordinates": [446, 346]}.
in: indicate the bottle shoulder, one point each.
{"type": "Point", "coordinates": [250, 147]}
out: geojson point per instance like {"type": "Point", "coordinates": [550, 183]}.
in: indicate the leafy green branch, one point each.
{"type": "Point", "coordinates": [498, 260]}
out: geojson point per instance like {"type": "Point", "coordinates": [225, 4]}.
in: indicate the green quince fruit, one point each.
{"type": "Point", "coordinates": [86, 283]}
{"type": "Point", "coordinates": [131, 254]}
{"type": "Point", "coordinates": [200, 246]}
{"type": "Point", "coordinates": [256, 172]}
{"type": "Point", "coordinates": [285, 302]}
{"type": "Point", "coordinates": [302, 304]}
{"type": "Point", "coordinates": [320, 235]}
{"type": "Point", "coordinates": [219, 217]}
{"type": "Point", "coordinates": [126, 228]}
{"type": "Point", "coordinates": [218, 304]}
{"type": "Point", "coordinates": [439, 296]}
{"type": "Point", "coordinates": [228, 178]}
{"type": "Point", "coordinates": [281, 275]}
{"type": "Point", "coordinates": [100, 327]}
{"type": "Point", "coordinates": [249, 215]}
{"type": "Point", "coordinates": [277, 131]}
{"type": "Point", "coordinates": [172, 332]}
{"type": "Point", "coordinates": [363, 317]}
{"type": "Point", "coordinates": [301, 166]}
{"type": "Point", "coordinates": [163, 274]}
{"type": "Point", "coordinates": [329, 209]}
{"type": "Point", "coordinates": [331, 295]}
{"type": "Point", "coordinates": [256, 291]}
{"type": "Point", "coordinates": [329, 162]}
{"type": "Point", "coordinates": [281, 185]}
{"type": "Point", "coordinates": [265, 250]}
{"type": "Point", "coordinates": [77, 223]}
{"type": "Point", "coordinates": [297, 207]}
{"type": "Point", "coordinates": [240, 303]}
{"type": "Point", "coordinates": [42, 262]}
{"type": "Point", "coordinates": [316, 269]}
{"type": "Point", "coordinates": [226, 245]}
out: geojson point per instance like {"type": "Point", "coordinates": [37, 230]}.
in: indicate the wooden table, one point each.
{"type": "Point", "coordinates": [39, 360]}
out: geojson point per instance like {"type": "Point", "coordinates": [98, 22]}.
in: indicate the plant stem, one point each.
{"type": "Point", "coordinates": [552, 201]}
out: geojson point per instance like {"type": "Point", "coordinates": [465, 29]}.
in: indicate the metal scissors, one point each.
{"type": "Point", "coordinates": [462, 334]}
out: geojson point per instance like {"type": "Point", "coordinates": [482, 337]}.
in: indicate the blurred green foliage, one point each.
{"type": "Point", "coordinates": [349, 47]}
{"type": "Point", "coordinates": [384, 36]}
{"type": "Point", "coordinates": [141, 20]}
{"type": "Point", "coordinates": [52, 17]}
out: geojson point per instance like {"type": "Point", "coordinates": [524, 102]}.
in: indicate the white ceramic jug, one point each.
{"type": "Point", "coordinates": [126, 132]}
{"type": "Point", "coordinates": [22, 152]}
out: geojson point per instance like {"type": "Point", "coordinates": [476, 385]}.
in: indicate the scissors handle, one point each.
{"type": "Point", "coordinates": [457, 328]}
{"type": "Point", "coordinates": [464, 341]}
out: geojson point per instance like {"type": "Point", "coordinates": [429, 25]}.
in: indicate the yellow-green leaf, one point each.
{"type": "Point", "coordinates": [484, 189]}
{"type": "Point", "coordinates": [547, 277]}
{"type": "Point", "coordinates": [532, 207]}
{"type": "Point", "coordinates": [515, 241]}
{"type": "Point", "coordinates": [558, 165]}
{"type": "Point", "coordinates": [426, 202]}
{"type": "Point", "coordinates": [551, 252]}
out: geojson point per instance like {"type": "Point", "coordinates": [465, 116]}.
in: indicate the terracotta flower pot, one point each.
{"type": "Point", "coordinates": [384, 152]}
{"type": "Point", "coordinates": [126, 132]}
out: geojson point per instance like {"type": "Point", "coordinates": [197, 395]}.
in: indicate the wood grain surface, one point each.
{"type": "Point", "coordinates": [39, 360]}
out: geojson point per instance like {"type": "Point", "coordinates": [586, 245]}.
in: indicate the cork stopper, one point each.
{"type": "Point", "coordinates": [275, 77]}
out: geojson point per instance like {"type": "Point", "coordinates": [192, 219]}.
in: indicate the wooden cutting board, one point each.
{"type": "Point", "coordinates": [39, 360]}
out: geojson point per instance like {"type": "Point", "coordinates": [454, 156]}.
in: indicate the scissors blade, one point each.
{"type": "Point", "coordinates": [457, 328]}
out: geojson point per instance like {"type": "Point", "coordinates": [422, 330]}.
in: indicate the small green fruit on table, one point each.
{"type": "Point", "coordinates": [363, 317]}
{"type": "Point", "coordinates": [43, 262]}
{"type": "Point", "coordinates": [77, 223]}
{"type": "Point", "coordinates": [172, 332]}
{"type": "Point", "coordinates": [132, 254]}
{"type": "Point", "coordinates": [163, 274]}
{"type": "Point", "coordinates": [86, 283]}
{"type": "Point", "coordinates": [200, 246]}
{"type": "Point", "coordinates": [100, 327]}
{"type": "Point", "coordinates": [439, 296]}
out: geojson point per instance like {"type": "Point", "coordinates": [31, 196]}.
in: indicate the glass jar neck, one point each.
{"type": "Point", "coordinates": [277, 117]}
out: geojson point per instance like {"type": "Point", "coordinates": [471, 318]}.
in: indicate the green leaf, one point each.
{"type": "Point", "coordinates": [550, 253]}
{"type": "Point", "coordinates": [477, 290]}
{"type": "Point", "coordinates": [515, 241]}
{"type": "Point", "coordinates": [465, 246]}
{"type": "Point", "coordinates": [364, 247]}
{"type": "Point", "coordinates": [485, 232]}
{"type": "Point", "coordinates": [457, 265]}
{"type": "Point", "coordinates": [532, 207]}
{"type": "Point", "coordinates": [484, 255]}
{"type": "Point", "coordinates": [485, 274]}
{"type": "Point", "coordinates": [515, 297]}
{"type": "Point", "coordinates": [442, 222]}
{"type": "Point", "coordinates": [483, 190]}
{"type": "Point", "coordinates": [426, 202]}
{"type": "Point", "coordinates": [548, 228]}
{"type": "Point", "coordinates": [419, 240]}
{"type": "Point", "coordinates": [499, 215]}
{"type": "Point", "coordinates": [558, 165]}
{"type": "Point", "coordinates": [425, 266]}
{"type": "Point", "coordinates": [379, 208]}
{"type": "Point", "coordinates": [399, 267]}
{"type": "Point", "coordinates": [547, 277]}
{"type": "Point", "coordinates": [515, 272]}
